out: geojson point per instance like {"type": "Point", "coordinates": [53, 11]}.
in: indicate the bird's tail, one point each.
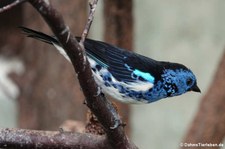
{"type": "Point", "coordinates": [45, 38]}
{"type": "Point", "coordinates": [39, 36]}
{"type": "Point", "coordinates": [95, 49]}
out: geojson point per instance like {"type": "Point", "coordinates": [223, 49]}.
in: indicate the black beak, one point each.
{"type": "Point", "coordinates": [195, 88]}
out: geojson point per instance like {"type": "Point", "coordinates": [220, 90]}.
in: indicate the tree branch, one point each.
{"type": "Point", "coordinates": [26, 139]}
{"type": "Point", "coordinates": [93, 5]}
{"type": "Point", "coordinates": [11, 5]}
{"type": "Point", "coordinates": [101, 107]}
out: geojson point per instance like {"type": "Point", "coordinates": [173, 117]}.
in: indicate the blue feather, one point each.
{"type": "Point", "coordinates": [144, 75]}
{"type": "Point", "coordinates": [130, 77]}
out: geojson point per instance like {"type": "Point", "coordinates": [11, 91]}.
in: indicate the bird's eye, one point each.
{"type": "Point", "coordinates": [189, 82]}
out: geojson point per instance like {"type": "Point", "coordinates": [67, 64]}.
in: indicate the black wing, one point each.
{"type": "Point", "coordinates": [112, 57]}
{"type": "Point", "coordinates": [119, 62]}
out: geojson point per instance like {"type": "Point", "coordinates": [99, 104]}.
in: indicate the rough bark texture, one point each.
{"type": "Point", "coordinates": [50, 93]}
{"type": "Point", "coordinates": [209, 123]}
{"type": "Point", "coordinates": [102, 108]}
{"type": "Point", "coordinates": [29, 139]}
{"type": "Point", "coordinates": [118, 22]}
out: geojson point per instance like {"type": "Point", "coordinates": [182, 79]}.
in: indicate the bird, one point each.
{"type": "Point", "coordinates": [128, 76]}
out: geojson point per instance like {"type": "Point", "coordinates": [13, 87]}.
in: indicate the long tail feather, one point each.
{"type": "Point", "coordinates": [45, 38]}
{"type": "Point", "coordinates": [39, 35]}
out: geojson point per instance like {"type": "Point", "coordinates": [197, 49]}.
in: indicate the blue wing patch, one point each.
{"type": "Point", "coordinates": [144, 75]}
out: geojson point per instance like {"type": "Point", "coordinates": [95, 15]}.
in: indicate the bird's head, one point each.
{"type": "Point", "coordinates": [178, 79]}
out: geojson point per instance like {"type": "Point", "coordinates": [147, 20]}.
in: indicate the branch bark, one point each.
{"type": "Point", "coordinates": [11, 5]}
{"type": "Point", "coordinates": [42, 85]}
{"type": "Point", "coordinates": [208, 125]}
{"type": "Point", "coordinates": [93, 6]}
{"type": "Point", "coordinates": [101, 107]}
{"type": "Point", "coordinates": [26, 139]}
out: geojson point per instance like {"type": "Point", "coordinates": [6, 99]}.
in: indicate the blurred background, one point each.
{"type": "Point", "coordinates": [38, 88]}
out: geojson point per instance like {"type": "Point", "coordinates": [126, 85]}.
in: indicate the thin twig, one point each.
{"type": "Point", "coordinates": [10, 6]}
{"type": "Point", "coordinates": [92, 5]}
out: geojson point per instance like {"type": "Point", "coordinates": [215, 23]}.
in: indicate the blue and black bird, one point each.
{"type": "Point", "coordinates": [128, 76]}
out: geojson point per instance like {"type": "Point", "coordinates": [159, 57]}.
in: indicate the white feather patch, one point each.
{"type": "Point", "coordinates": [135, 86]}
{"type": "Point", "coordinates": [139, 86]}
{"type": "Point", "coordinates": [61, 51]}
